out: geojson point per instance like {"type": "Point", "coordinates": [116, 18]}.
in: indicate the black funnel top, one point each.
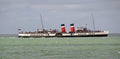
{"type": "Point", "coordinates": [71, 24]}
{"type": "Point", "coordinates": [62, 24]}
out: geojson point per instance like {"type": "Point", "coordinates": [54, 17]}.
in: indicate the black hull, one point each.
{"type": "Point", "coordinates": [105, 35]}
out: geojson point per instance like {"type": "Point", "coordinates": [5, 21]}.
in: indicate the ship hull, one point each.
{"type": "Point", "coordinates": [62, 36]}
{"type": "Point", "coordinates": [97, 34]}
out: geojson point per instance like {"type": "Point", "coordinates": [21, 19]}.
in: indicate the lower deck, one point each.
{"type": "Point", "coordinates": [37, 35]}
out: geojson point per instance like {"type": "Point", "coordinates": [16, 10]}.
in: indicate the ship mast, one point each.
{"type": "Point", "coordinates": [42, 23]}
{"type": "Point", "coordinates": [93, 23]}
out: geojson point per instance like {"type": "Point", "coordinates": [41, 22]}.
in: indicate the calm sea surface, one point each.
{"type": "Point", "coordinates": [12, 47]}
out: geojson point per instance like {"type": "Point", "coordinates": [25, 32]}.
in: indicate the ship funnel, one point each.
{"type": "Point", "coordinates": [63, 29]}
{"type": "Point", "coordinates": [72, 28]}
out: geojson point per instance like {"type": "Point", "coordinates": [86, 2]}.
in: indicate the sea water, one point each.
{"type": "Point", "coordinates": [12, 47]}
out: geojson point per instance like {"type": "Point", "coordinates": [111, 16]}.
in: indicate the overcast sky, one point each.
{"type": "Point", "coordinates": [25, 14]}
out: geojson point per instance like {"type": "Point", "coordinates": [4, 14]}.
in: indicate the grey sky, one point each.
{"type": "Point", "coordinates": [25, 14]}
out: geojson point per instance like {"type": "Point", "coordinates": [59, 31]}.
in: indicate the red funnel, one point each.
{"type": "Point", "coordinates": [72, 28]}
{"type": "Point", "coordinates": [63, 28]}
